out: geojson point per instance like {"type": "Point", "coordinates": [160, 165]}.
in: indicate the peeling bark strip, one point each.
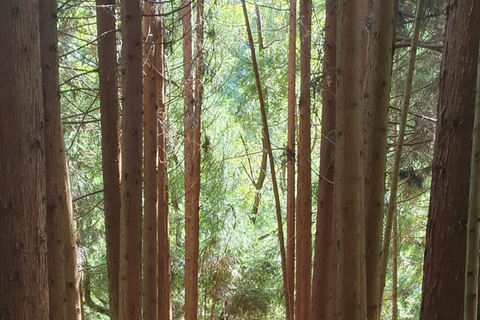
{"type": "Point", "coordinates": [64, 282]}
{"type": "Point", "coordinates": [131, 189]}
{"type": "Point", "coordinates": [445, 251]}
{"type": "Point", "coordinates": [109, 111]}
{"type": "Point", "coordinates": [23, 247]}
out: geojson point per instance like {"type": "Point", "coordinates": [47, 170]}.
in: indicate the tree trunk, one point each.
{"type": "Point", "coordinates": [131, 189]}
{"type": "Point", "coordinates": [392, 201]}
{"type": "Point", "coordinates": [164, 295]}
{"type": "Point", "coordinates": [23, 247]}
{"type": "Point", "coordinates": [324, 264]}
{"type": "Point", "coordinates": [268, 147]}
{"type": "Point", "coordinates": [445, 251]}
{"type": "Point", "coordinates": [376, 102]}
{"type": "Point", "coordinates": [109, 110]}
{"type": "Point", "coordinates": [304, 189]}
{"type": "Point", "coordinates": [395, 268]}
{"type": "Point", "coordinates": [192, 181]}
{"type": "Point", "coordinates": [292, 25]}
{"type": "Point", "coordinates": [150, 270]}
{"type": "Point", "coordinates": [349, 169]}
{"type": "Point", "coordinates": [64, 282]}
{"type": "Point", "coordinates": [473, 227]}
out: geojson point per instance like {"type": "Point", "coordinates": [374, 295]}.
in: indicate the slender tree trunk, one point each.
{"type": "Point", "coordinates": [473, 227]}
{"type": "Point", "coordinates": [268, 147]}
{"type": "Point", "coordinates": [392, 202]}
{"type": "Point", "coordinates": [349, 169]}
{"type": "Point", "coordinates": [62, 257]}
{"type": "Point", "coordinates": [292, 47]}
{"type": "Point", "coordinates": [445, 252]}
{"type": "Point", "coordinates": [109, 110]}
{"type": "Point", "coordinates": [23, 247]}
{"type": "Point", "coordinates": [192, 181]}
{"type": "Point", "coordinates": [395, 268]}
{"type": "Point", "coordinates": [131, 169]}
{"type": "Point", "coordinates": [304, 188]}
{"type": "Point", "coordinates": [150, 267]}
{"type": "Point", "coordinates": [164, 295]}
{"type": "Point", "coordinates": [376, 102]}
{"type": "Point", "coordinates": [324, 263]}
{"type": "Point", "coordinates": [259, 27]}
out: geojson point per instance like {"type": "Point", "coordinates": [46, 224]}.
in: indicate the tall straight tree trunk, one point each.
{"type": "Point", "coordinates": [192, 181]}
{"type": "Point", "coordinates": [268, 147]}
{"type": "Point", "coordinates": [150, 267]}
{"type": "Point", "coordinates": [62, 256]}
{"type": "Point", "coordinates": [376, 102]}
{"type": "Point", "coordinates": [164, 295]}
{"type": "Point", "coordinates": [323, 302]}
{"type": "Point", "coordinates": [23, 247]}
{"type": "Point", "coordinates": [445, 251]}
{"type": "Point", "coordinates": [292, 47]}
{"type": "Point", "coordinates": [392, 201]}
{"type": "Point", "coordinates": [131, 169]}
{"type": "Point", "coordinates": [395, 268]}
{"type": "Point", "coordinates": [109, 111]}
{"type": "Point", "coordinates": [304, 189]}
{"type": "Point", "coordinates": [349, 169]}
{"type": "Point", "coordinates": [473, 227]}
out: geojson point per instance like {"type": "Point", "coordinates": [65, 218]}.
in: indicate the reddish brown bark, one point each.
{"type": "Point", "coordinates": [23, 247]}
{"type": "Point", "coordinates": [109, 111]}
{"type": "Point", "coordinates": [131, 189]}
{"type": "Point", "coordinates": [150, 270]}
{"type": "Point", "coordinates": [292, 47]}
{"type": "Point", "coordinates": [304, 182]}
{"type": "Point", "coordinates": [192, 180]}
{"type": "Point", "coordinates": [376, 102]}
{"type": "Point", "coordinates": [164, 295]}
{"type": "Point", "coordinates": [349, 171]}
{"type": "Point", "coordinates": [446, 229]}
{"type": "Point", "coordinates": [64, 282]}
{"type": "Point", "coordinates": [323, 301]}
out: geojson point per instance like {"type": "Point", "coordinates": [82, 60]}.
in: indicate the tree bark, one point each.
{"type": "Point", "coordinates": [473, 227]}
{"type": "Point", "coordinates": [304, 180]}
{"type": "Point", "coordinates": [164, 295]}
{"type": "Point", "coordinates": [131, 169]}
{"type": "Point", "coordinates": [323, 291]}
{"type": "Point", "coordinates": [291, 72]}
{"type": "Point", "coordinates": [109, 111]}
{"type": "Point", "coordinates": [23, 247]}
{"type": "Point", "coordinates": [150, 267]}
{"type": "Point", "coordinates": [64, 290]}
{"type": "Point", "coordinates": [445, 251]}
{"type": "Point", "coordinates": [349, 185]}
{"type": "Point", "coordinates": [376, 102]}
{"type": "Point", "coordinates": [395, 268]}
{"type": "Point", "coordinates": [192, 181]}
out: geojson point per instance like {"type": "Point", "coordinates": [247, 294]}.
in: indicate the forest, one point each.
{"type": "Point", "coordinates": [239, 159]}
